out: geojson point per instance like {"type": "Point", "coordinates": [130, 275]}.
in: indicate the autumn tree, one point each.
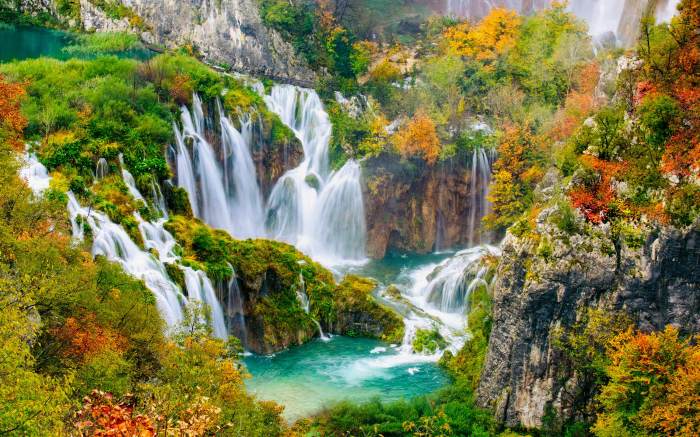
{"type": "Point", "coordinates": [12, 122]}
{"type": "Point", "coordinates": [418, 138]}
{"type": "Point", "coordinates": [489, 39]}
{"type": "Point", "coordinates": [515, 173]}
{"type": "Point", "coordinates": [654, 385]}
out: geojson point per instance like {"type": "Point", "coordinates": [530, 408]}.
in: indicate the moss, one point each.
{"type": "Point", "coordinates": [428, 341]}
{"type": "Point", "coordinates": [353, 296]}
{"type": "Point", "coordinates": [176, 274]}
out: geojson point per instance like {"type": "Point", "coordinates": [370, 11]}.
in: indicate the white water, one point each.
{"type": "Point", "coordinates": [319, 211]}
{"type": "Point", "coordinates": [111, 241]}
{"type": "Point", "coordinates": [322, 213]}
{"type": "Point", "coordinates": [480, 179]}
{"type": "Point", "coordinates": [35, 174]}
{"type": "Point", "coordinates": [101, 169]}
{"type": "Point", "coordinates": [236, 311]}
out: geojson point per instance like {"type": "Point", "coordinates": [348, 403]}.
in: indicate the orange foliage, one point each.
{"type": "Point", "coordinates": [181, 89]}
{"type": "Point", "coordinates": [86, 338]}
{"type": "Point", "coordinates": [101, 416]}
{"type": "Point", "coordinates": [579, 105]}
{"type": "Point", "coordinates": [492, 37]}
{"type": "Point", "coordinates": [654, 382]}
{"type": "Point", "coordinates": [12, 122]}
{"type": "Point", "coordinates": [419, 137]}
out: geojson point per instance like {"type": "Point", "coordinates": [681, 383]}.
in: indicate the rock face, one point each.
{"type": "Point", "coordinates": [411, 207]}
{"type": "Point", "coordinates": [547, 284]}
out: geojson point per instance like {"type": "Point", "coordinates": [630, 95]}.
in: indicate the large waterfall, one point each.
{"type": "Point", "coordinates": [319, 211]}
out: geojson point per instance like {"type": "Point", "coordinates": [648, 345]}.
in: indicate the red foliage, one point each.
{"type": "Point", "coordinates": [644, 88]}
{"type": "Point", "coordinates": [101, 416]}
{"type": "Point", "coordinates": [594, 201]}
{"type": "Point", "coordinates": [86, 338]}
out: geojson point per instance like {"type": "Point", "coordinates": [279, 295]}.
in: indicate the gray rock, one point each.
{"type": "Point", "coordinates": [657, 284]}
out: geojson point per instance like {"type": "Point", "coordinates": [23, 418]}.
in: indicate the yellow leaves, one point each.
{"type": "Point", "coordinates": [418, 138]}
{"type": "Point", "coordinates": [492, 37]}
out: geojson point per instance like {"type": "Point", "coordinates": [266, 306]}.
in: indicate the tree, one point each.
{"type": "Point", "coordinates": [653, 385]}
{"type": "Point", "coordinates": [12, 122]}
{"type": "Point", "coordinates": [418, 138]}
{"type": "Point", "coordinates": [491, 38]}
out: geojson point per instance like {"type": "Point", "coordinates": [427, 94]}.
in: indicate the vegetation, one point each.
{"type": "Point", "coordinates": [71, 324]}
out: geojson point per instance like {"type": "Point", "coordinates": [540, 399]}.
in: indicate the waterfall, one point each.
{"type": "Point", "coordinates": [213, 205]}
{"type": "Point", "coordinates": [236, 311]}
{"type": "Point", "coordinates": [240, 180]}
{"type": "Point", "coordinates": [479, 184]}
{"type": "Point", "coordinates": [185, 172]}
{"type": "Point", "coordinates": [200, 289]}
{"type": "Point", "coordinates": [129, 180]}
{"type": "Point", "coordinates": [303, 299]}
{"type": "Point", "coordinates": [111, 241]}
{"type": "Point", "coordinates": [666, 10]}
{"type": "Point", "coordinates": [453, 280]}
{"type": "Point", "coordinates": [35, 174]}
{"type": "Point", "coordinates": [321, 213]}
{"type": "Point", "coordinates": [102, 169]}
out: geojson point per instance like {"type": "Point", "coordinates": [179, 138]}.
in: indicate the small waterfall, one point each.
{"type": "Point", "coordinates": [129, 180]}
{"type": "Point", "coordinates": [305, 304]}
{"type": "Point", "coordinates": [665, 10]}
{"type": "Point", "coordinates": [200, 288]}
{"type": "Point", "coordinates": [479, 184]}
{"type": "Point", "coordinates": [213, 205]}
{"type": "Point", "coordinates": [453, 280]}
{"type": "Point", "coordinates": [111, 241]}
{"type": "Point", "coordinates": [159, 200]}
{"type": "Point", "coordinates": [102, 169]}
{"type": "Point", "coordinates": [185, 172]}
{"type": "Point", "coordinates": [341, 222]}
{"type": "Point", "coordinates": [35, 174]}
{"type": "Point", "coordinates": [236, 312]}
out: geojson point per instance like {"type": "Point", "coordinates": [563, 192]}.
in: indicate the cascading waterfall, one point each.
{"type": "Point", "coordinates": [102, 169]}
{"type": "Point", "coordinates": [451, 283]}
{"type": "Point", "coordinates": [245, 198]}
{"type": "Point", "coordinates": [111, 241]}
{"type": "Point", "coordinates": [303, 299]}
{"type": "Point", "coordinates": [319, 211]}
{"type": "Point", "coordinates": [199, 288]}
{"type": "Point", "coordinates": [322, 213]}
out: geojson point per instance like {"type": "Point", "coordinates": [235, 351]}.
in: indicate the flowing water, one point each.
{"type": "Point", "coordinates": [319, 211]}
{"type": "Point", "coordinates": [434, 290]}
{"type": "Point", "coordinates": [318, 374]}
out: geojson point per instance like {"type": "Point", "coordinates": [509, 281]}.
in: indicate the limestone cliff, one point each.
{"type": "Point", "coordinates": [545, 279]}
{"type": "Point", "coordinates": [412, 207]}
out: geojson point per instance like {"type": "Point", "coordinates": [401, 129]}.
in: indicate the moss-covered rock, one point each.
{"type": "Point", "coordinates": [428, 341]}
{"type": "Point", "coordinates": [269, 275]}
{"type": "Point", "coordinates": [357, 312]}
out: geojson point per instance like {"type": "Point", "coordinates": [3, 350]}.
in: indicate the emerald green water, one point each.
{"type": "Point", "coordinates": [27, 42]}
{"type": "Point", "coordinates": [308, 378]}
{"type": "Point", "coordinates": [31, 42]}
{"type": "Point", "coordinates": [318, 374]}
